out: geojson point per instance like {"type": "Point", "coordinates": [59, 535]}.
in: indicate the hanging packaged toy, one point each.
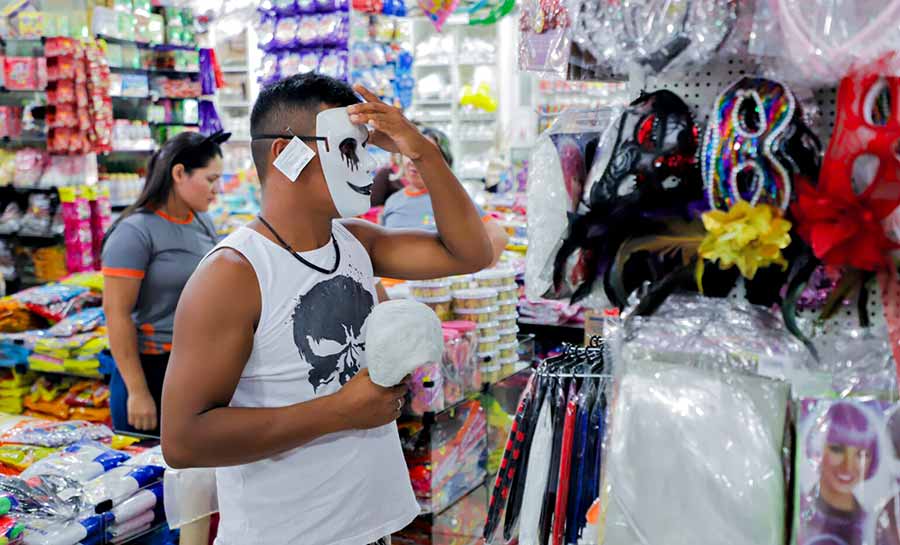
{"type": "Point", "coordinates": [643, 182]}
{"type": "Point", "coordinates": [823, 40]}
{"type": "Point", "coordinates": [557, 176]}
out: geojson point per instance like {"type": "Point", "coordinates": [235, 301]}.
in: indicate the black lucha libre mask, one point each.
{"type": "Point", "coordinates": [328, 329]}
{"type": "Point", "coordinates": [653, 153]}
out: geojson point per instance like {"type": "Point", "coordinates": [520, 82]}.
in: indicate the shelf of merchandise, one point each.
{"type": "Point", "coordinates": [460, 68]}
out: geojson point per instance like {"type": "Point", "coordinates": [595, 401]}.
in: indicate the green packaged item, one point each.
{"type": "Point", "coordinates": [142, 6]}
{"type": "Point", "coordinates": [156, 29]}
{"type": "Point", "coordinates": [114, 55]}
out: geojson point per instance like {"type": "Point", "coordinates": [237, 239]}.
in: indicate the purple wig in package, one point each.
{"type": "Point", "coordinates": [266, 32]}
{"type": "Point", "coordinates": [309, 61]}
{"type": "Point", "coordinates": [207, 72]}
{"type": "Point", "coordinates": [285, 7]}
{"type": "Point", "coordinates": [209, 118]}
{"type": "Point", "coordinates": [285, 31]}
{"type": "Point", "coordinates": [306, 7]}
{"type": "Point", "coordinates": [840, 465]}
{"type": "Point", "coordinates": [325, 6]}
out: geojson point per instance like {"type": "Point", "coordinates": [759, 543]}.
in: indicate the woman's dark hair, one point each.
{"type": "Point", "coordinates": [442, 141]}
{"type": "Point", "coordinates": [191, 149]}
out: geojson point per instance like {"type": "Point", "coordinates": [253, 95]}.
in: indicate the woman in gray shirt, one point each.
{"type": "Point", "coordinates": [148, 255]}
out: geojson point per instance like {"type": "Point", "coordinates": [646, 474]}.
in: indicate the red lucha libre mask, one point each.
{"type": "Point", "coordinates": [841, 219]}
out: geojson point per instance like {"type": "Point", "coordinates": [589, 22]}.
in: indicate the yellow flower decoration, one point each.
{"type": "Point", "coordinates": [750, 237]}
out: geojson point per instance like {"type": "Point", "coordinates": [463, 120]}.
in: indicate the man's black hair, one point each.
{"type": "Point", "coordinates": [277, 102]}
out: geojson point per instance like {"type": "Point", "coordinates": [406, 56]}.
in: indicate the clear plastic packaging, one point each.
{"type": "Point", "coordinates": [429, 288]}
{"type": "Point", "coordinates": [821, 40]}
{"type": "Point", "coordinates": [488, 344]}
{"type": "Point", "coordinates": [54, 434]}
{"type": "Point", "coordinates": [496, 278]}
{"type": "Point", "coordinates": [508, 295]}
{"type": "Point", "coordinates": [509, 336]}
{"type": "Point", "coordinates": [543, 37]}
{"type": "Point", "coordinates": [506, 322]}
{"type": "Point", "coordinates": [460, 282]}
{"type": "Point", "coordinates": [713, 428]}
{"type": "Point", "coordinates": [473, 299]}
{"type": "Point", "coordinates": [507, 308]}
{"type": "Point", "coordinates": [440, 305]}
{"type": "Point", "coordinates": [488, 330]}
{"type": "Point", "coordinates": [684, 377]}
{"type": "Point", "coordinates": [479, 315]}
{"type": "Point", "coordinates": [557, 178]}
{"type": "Point", "coordinates": [844, 454]}
{"type": "Point", "coordinates": [82, 461]}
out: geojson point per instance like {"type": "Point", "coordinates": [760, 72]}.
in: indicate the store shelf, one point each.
{"type": "Point", "coordinates": [478, 63]}
{"type": "Point", "coordinates": [130, 97]}
{"type": "Point", "coordinates": [235, 70]}
{"type": "Point", "coordinates": [153, 71]}
{"type": "Point", "coordinates": [25, 140]}
{"type": "Point", "coordinates": [236, 104]}
{"type": "Point", "coordinates": [173, 124]}
{"type": "Point", "coordinates": [122, 41]}
{"type": "Point", "coordinates": [432, 102]}
{"type": "Point", "coordinates": [431, 65]}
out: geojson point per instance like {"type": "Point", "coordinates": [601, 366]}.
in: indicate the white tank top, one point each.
{"type": "Point", "coordinates": [348, 488]}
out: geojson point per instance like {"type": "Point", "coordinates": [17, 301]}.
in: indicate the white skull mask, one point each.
{"type": "Point", "coordinates": [346, 162]}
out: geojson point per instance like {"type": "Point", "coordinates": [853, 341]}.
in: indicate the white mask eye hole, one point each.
{"type": "Point", "coordinates": [865, 169]}
{"type": "Point", "coordinates": [347, 147]}
{"type": "Point", "coordinates": [877, 107]}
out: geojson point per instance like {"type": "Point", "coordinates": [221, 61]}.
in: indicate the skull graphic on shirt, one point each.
{"type": "Point", "coordinates": [328, 325]}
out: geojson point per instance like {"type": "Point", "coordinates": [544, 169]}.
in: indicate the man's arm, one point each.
{"type": "Point", "coordinates": [461, 244]}
{"type": "Point", "coordinates": [214, 327]}
{"type": "Point", "coordinates": [499, 238]}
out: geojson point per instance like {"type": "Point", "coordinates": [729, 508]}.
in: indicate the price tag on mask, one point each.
{"type": "Point", "coordinates": [294, 158]}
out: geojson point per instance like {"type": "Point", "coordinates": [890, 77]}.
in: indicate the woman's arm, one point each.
{"type": "Point", "coordinates": [119, 297]}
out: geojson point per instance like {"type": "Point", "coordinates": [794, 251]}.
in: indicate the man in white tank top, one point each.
{"type": "Point", "coordinates": [267, 381]}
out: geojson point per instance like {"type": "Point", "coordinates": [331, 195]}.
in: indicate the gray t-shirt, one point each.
{"type": "Point", "coordinates": [410, 209]}
{"type": "Point", "coordinates": [162, 253]}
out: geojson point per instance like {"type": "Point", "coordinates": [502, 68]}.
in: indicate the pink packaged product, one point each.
{"type": "Point", "coordinates": [76, 212]}
{"type": "Point", "coordinates": [101, 218]}
{"type": "Point", "coordinates": [438, 385]}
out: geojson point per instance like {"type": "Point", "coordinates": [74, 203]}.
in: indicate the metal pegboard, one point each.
{"type": "Point", "coordinates": [700, 86]}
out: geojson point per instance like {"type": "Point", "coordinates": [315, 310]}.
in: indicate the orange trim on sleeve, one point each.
{"type": "Point", "coordinates": [123, 273]}
{"type": "Point", "coordinates": [486, 218]}
{"type": "Point", "coordinates": [167, 217]}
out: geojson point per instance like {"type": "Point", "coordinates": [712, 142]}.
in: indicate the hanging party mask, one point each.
{"type": "Point", "coordinates": [346, 162]}
{"type": "Point", "coordinates": [867, 125]}
{"type": "Point", "coordinates": [755, 142]}
{"type": "Point", "coordinates": [650, 152]}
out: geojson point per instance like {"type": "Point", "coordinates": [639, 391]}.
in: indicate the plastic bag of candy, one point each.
{"type": "Point", "coordinates": [82, 461]}
{"type": "Point", "coordinates": [11, 219]}
{"type": "Point", "coordinates": [88, 319]}
{"type": "Point", "coordinates": [88, 393]}
{"type": "Point", "coordinates": [92, 280]}
{"type": "Point", "coordinates": [18, 458]}
{"type": "Point", "coordinates": [55, 301]}
{"type": "Point", "coordinates": [54, 434]}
